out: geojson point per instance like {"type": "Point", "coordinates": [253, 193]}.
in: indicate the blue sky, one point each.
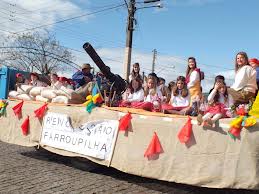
{"type": "Point", "coordinates": [213, 31]}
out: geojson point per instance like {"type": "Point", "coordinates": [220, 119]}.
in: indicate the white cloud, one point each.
{"type": "Point", "coordinates": [20, 15]}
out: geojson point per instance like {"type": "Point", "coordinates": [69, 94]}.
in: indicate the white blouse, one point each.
{"type": "Point", "coordinates": [179, 101]}
{"type": "Point", "coordinates": [149, 97]}
{"type": "Point", "coordinates": [245, 78]}
{"type": "Point", "coordinates": [136, 96]}
{"type": "Point", "coordinates": [194, 77]}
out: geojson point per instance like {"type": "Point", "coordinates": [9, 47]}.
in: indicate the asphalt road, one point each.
{"type": "Point", "coordinates": [25, 170]}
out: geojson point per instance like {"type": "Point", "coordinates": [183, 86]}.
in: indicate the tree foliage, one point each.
{"type": "Point", "coordinates": [36, 52]}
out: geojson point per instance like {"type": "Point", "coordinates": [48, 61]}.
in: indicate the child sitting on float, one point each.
{"type": "Point", "coordinates": [180, 99]}
{"type": "Point", "coordinates": [154, 99]}
{"type": "Point", "coordinates": [55, 83]}
{"type": "Point", "coordinates": [134, 93]}
{"type": "Point", "coordinates": [65, 82]}
{"type": "Point", "coordinates": [20, 79]}
{"type": "Point", "coordinates": [152, 96]}
{"type": "Point", "coordinates": [219, 102]}
{"type": "Point", "coordinates": [35, 80]}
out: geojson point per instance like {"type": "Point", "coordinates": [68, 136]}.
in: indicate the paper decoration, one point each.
{"type": "Point", "coordinates": [17, 109]}
{"type": "Point", "coordinates": [3, 105]}
{"type": "Point", "coordinates": [25, 126]}
{"type": "Point", "coordinates": [95, 89]}
{"type": "Point", "coordinates": [184, 134]}
{"type": "Point", "coordinates": [249, 122]}
{"type": "Point", "coordinates": [236, 123]}
{"type": "Point", "coordinates": [90, 107]}
{"type": "Point", "coordinates": [97, 98]}
{"type": "Point", "coordinates": [234, 132]}
{"type": "Point", "coordinates": [154, 147]}
{"type": "Point", "coordinates": [39, 113]}
{"type": "Point", "coordinates": [124, 122]}
{"type": "Point", "coordinates": [92, 101]}
{"type": "Point", "coordinates": [255, 108]}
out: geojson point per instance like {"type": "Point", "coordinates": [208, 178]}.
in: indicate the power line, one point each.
{"type": "Point", "coordinates": [62, 28]}
{"type": "Point", "coordinates": [166, 54]}
{"type": "Point", "coordinates": [71, 18]}
{"type": "Point", "coordinates": [52, 6]}
{"type": "Point", "coordinates": [65, 29]}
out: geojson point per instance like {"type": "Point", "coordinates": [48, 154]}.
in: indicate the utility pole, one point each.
{"type": "Point", "coordinates": [154, 60]}
{"type": "Point", "coordinates": [130, 28]}
{"type": "Point", "coordinates": [128, 49]}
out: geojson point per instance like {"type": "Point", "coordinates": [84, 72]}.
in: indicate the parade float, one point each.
{"type": "Point", "coordinates": [148, 144]}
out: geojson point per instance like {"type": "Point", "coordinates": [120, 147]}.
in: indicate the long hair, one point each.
{"type": "Point", "coordinates": [246, 58]}
{"type": "Point", "coordinates": [217, 78]}
{"type": "Point", "coordinates": [154, 79]}
{"type": "Point", "coordinates": [189, 70]}
{"type": "Point", "coordinates": [133, 73]}
{"type": "Point", "coordinates": [184, 91]}
{"type": "Point", "coordinates": [171, 85]}
{"type": "Point", "coordinates": [216, 97]}
{"type": "Point", "coordinates": [137, 79]}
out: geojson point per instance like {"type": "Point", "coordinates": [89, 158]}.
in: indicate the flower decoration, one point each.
{"type": "Point", "coordinates": [3, 105]}
{"type": "Point", "coordinates": [242, 120]}
{"type": "Point", "coordinates": [92, 101]}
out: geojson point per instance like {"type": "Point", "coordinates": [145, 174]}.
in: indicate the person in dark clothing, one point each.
{"type": "Point", "coordinates": [84, 76]}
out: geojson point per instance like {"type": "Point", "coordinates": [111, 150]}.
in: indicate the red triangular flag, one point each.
{"type": "Point", "coordinates": [124, 122]}
{"type": "Point", "coordinates": [39, 113]}
{"type": "Point", "coordinates": [17, 109]}
{"type": "Point", "coordinates": [185, 133]}
{"type": "Point", "coordinates": [234, 132]}
{"type": "Point", "coordinates": [154, 147]}
{"type": "Point", "coordinates": [25, 126]}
